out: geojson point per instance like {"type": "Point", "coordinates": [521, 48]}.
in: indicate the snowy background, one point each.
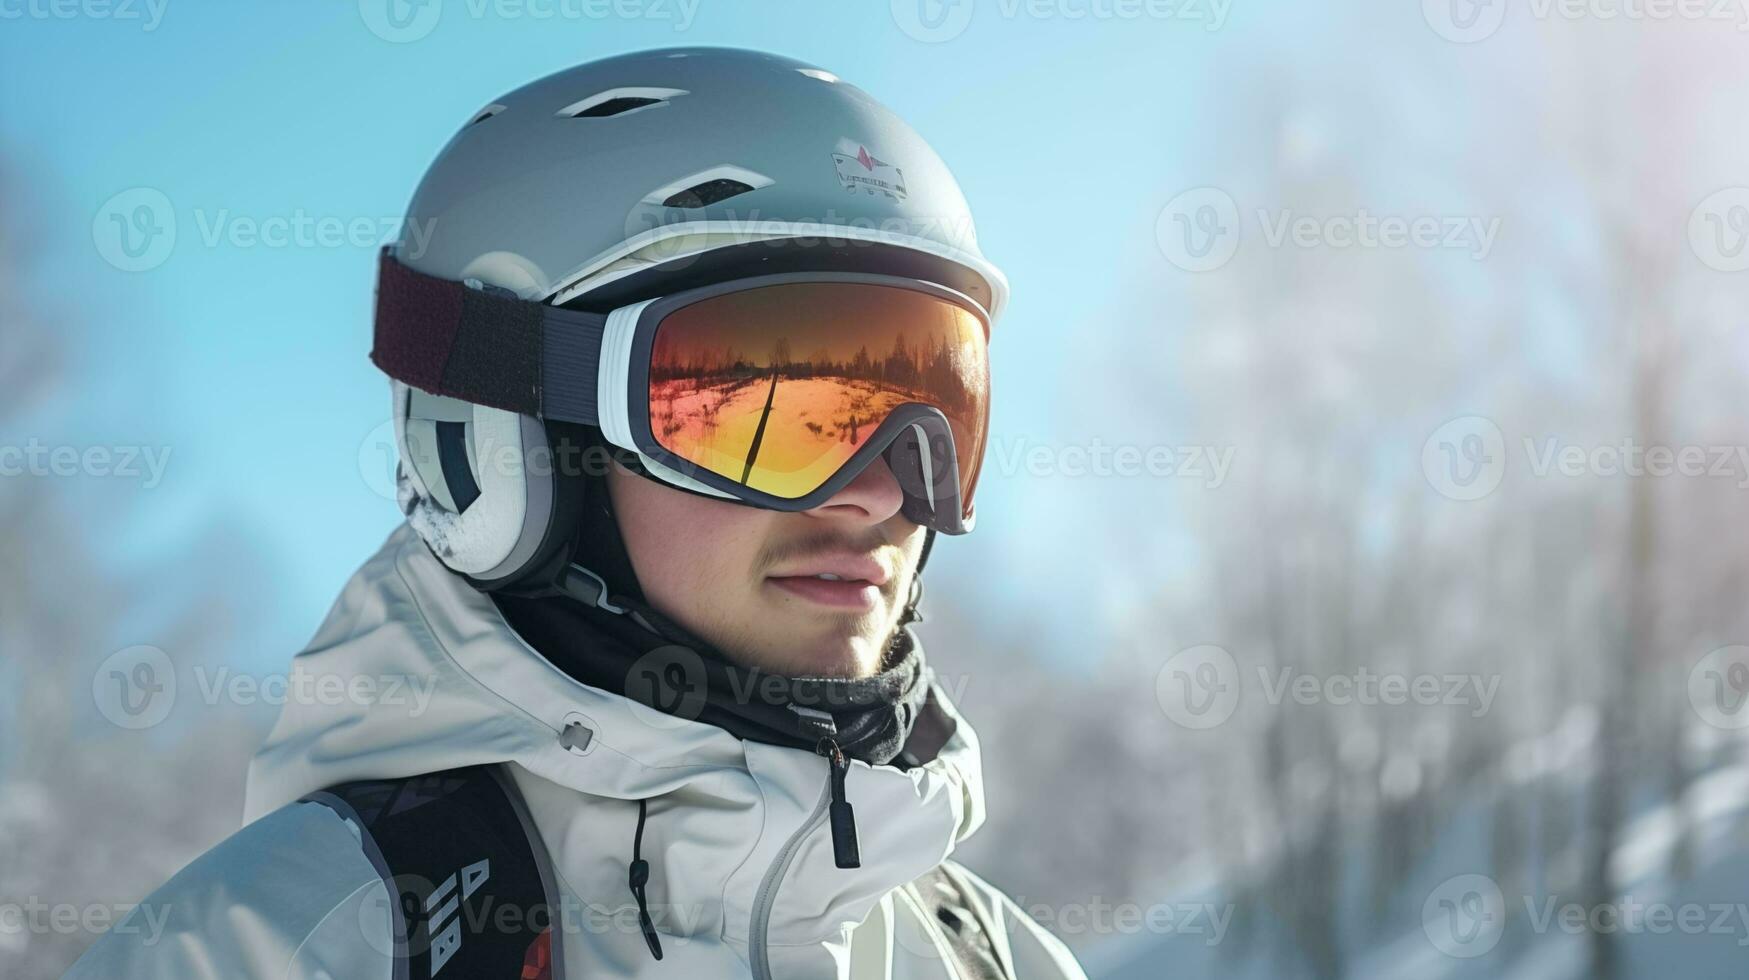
{"type": "Point", "coordinates": [1359, 582]}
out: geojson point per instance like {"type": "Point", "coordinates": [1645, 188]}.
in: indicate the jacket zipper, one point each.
{"type": "Point", "coordinates": [766, 897]}
{"type": "Point", "coordinates": [833, 806]}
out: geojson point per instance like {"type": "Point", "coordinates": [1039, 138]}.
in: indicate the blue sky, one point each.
{"type": "Point", "coordinates": [247, 361]}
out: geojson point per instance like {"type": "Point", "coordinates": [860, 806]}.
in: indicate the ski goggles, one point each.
{"type": "Point", "coordinates": [775, 390]}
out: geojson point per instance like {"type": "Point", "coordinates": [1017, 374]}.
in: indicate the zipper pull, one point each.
{"type": "Point", "coordinates": [845, 849]}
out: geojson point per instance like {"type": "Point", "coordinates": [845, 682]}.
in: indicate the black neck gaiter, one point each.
{"type": "Point", "coordinates": [663, 667]}
{"type": "Point", "coordinates": [643, 655]}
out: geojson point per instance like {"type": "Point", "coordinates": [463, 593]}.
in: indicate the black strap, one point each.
{"type": "Point", "coordinates": [970, 932]}
{"type": "Point", "coordinates": [466, 867]}
{"type": "Point", "coordinates": [486, 345]}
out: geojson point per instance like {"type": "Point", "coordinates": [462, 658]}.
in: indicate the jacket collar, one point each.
{"type": "Point", "coordinates": [450, 684]}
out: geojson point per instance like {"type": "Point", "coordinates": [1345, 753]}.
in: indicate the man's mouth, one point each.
{"type": "Point", "coordinates": [842, 580]}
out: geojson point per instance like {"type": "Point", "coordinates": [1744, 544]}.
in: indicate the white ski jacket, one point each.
{"type": "Point", "coordinates": [742, 876]}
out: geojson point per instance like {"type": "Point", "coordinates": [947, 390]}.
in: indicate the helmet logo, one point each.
{"type": "Point", "coordinates": [867, 172]}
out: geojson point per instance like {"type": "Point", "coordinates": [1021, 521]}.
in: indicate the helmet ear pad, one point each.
{"type": "Point", "coordinates": [481, 488]}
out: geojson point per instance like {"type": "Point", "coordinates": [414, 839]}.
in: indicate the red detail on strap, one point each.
{"type": "Point", "coordinates": [537, 963]}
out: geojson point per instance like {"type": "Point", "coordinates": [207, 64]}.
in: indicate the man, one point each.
{"type": "Point", "coordinates": [689, 369]}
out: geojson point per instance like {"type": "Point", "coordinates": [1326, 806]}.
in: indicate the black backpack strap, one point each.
{"type": "Point", "coordinates": [473, 893]}
{"type": "Point", "coordinates": [950, 899]}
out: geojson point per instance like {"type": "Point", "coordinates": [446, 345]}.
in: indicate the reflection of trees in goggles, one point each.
{"type": "Point", "coordinates": [728, 393]}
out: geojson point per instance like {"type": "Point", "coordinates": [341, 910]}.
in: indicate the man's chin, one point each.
{"type": "Point", "coordinates": [841, 654]}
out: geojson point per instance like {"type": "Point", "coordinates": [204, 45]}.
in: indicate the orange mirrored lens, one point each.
{"type": "Point", "coordinates": [776, 387]}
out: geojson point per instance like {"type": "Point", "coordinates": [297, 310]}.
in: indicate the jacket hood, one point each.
{"type": "Point", "coordinates": [415, 671]}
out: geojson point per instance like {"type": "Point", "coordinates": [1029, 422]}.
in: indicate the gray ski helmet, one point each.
{"type": "Point", "coordinates": [629, 177]}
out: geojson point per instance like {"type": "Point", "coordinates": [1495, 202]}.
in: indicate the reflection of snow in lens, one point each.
{"type": "Point", "coordinates": [1199, 687]}
{"type": "Point", "coordinates": [777, 388]}
{"type": "Point", "coordinates": [1718, 687]}
{"type": "Point", "coordinates": [1464, 916]}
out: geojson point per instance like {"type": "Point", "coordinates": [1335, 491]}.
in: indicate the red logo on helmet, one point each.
{"type": "Point", "coordinates": [870, 173]}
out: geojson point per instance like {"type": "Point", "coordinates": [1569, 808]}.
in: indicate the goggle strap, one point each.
{"type": "Point", "coordinates": [486, 346]}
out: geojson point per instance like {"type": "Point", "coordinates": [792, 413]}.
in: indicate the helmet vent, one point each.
{"type": "Point", "coordinates": [619, 102]}
{"type": "Point", "coordinates": [613, 107]}
{"type": "Point", "coordinates": [485, 114]}
{"type": "Point", "coordinates": [706, 194]}
{"type": "Point", "coordinates": [707, 187]}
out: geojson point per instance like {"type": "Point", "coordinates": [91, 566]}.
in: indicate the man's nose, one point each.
{"type": "Point", "coordinates": [871, 498]}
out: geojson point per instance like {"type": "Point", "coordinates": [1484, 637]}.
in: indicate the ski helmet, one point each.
{"type": "Point", "coordinates": [626, 179]}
